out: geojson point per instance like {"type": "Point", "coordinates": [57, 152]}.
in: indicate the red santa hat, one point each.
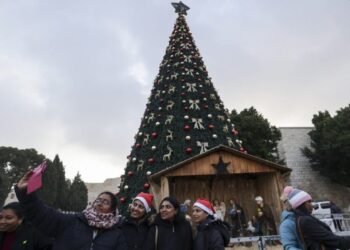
{"type": "Point", "coordinates": [205, 205]}
{"type": "Point", "coordinates": [146, 200]}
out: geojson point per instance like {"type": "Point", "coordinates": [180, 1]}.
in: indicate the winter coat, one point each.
{"type": "Point", "coordinates": [28, 238]}
{"type": "Point", "coordinates": [317, 235]}
{"type": "Point", "coordinates": [175, 235]}
{"type": "Point", "coordinates": [208, 237]}
{"type": "Point", "coordinates": [71, 231]}
{"type": "Point", "coordinates": [135, 233]}
{"type": "Point", "coordinates": [288, 232]}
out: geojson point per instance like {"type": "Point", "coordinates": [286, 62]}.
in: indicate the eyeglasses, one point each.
{"type": "Point", "coordinates": [103, 201]}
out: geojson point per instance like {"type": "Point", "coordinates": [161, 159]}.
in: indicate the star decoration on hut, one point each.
{"type": "Point", "coordinates": [221, 166]}
{"type": "Point", "coordinates": [180, 8]}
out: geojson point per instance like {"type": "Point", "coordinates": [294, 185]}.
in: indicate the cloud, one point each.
{"type": "Point", "coordinates": [75, 76]}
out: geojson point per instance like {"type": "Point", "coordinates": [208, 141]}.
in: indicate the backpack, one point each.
{"type": "Point", "coordinates": [225, 230]}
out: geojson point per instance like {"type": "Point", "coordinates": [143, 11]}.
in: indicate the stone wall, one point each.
{"type": "Point", "coordinates": [94, 189]}
{"type": "Point", "coordinates": [303, 176]}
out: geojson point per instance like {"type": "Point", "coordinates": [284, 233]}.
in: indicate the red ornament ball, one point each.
{"type": "Point", "coordinates": [234, 132]}
{"type": "Point", "coordinates": [211, 126]}
{"type": "Point", "coordinates": [188, 150]}
{"type": "Point", "coordinates": [183, 94]}
{"type": "Point", "coordinates": [186, 108]}
{"type": "Point", "coordinates": [151, 160]}
{"type": "Point", "coordinates": [241, 149]}
{"type": "Point", "coordinates": [187, 127]}
{"type": "Point", "coordinates": [138, 145]}
{"type": "Point", "coordinates": [130, 173]}
{"type": "Point", "coordinates": [206, 106]}
{"type": "Point", "coordinates": [154, 135]}
{"type": "Point", "coordinates": [146, 185]}
{"type": "Point", "coordinates": [122, 199]}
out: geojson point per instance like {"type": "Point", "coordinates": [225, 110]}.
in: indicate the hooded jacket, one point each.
{"type": "Point", "coordinates": [135, 233]}
{"type": "Point", "coordinates": [288, 232]}
{"type": "Point", "coordinates": [208, 237]}
{"type": "Point", "coordinates": [172, 235]}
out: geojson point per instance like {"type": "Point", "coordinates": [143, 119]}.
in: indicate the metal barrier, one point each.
{"type": "Point", "coordinates": [337, 222]}
{"type": "Point", "coordinates": [261, 241]}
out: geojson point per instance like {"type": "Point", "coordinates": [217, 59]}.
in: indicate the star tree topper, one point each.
{"type": "Point", "coordinates": [221, 166]}
{"type": "Point", "coordinates": [180, 8]}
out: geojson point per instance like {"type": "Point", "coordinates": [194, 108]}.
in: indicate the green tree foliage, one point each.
{"type": "Point", "coordinates": [14, 163]}
{"type": "Point", "coordinates": [77, 195]}
{"type": "Point", "coordinates": [62, 185]}
{"type": "Point", "coordinates": [330, 145]}
{"type": "Point", "coordinates": [4, 186]}
{"type": "Point", "coordinates": [258, 137]}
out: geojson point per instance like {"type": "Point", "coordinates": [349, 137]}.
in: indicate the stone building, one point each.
{"type": "Point", "coordinates": [94, 189]}
{"type": "Point", "coordinates": [302, 175]}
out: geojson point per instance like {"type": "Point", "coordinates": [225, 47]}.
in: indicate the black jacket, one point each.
{"type": "Point", "coordinates": [208, 237]}
{"type": "Point", "coordinates": [135, 233]}
{"type": "Point", "coordinates": [71, 232]}
{"type": "Point", "coordinates": [28, 238]}
{"type": "Point", "coordinates": [316, 234]}
{"type": "Point", "coordinates": [175, 235]}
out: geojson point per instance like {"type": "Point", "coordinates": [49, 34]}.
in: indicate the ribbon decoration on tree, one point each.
{"type": "Point", "coordinates": [198, 123]}
{"type": "Point", "coordinates": [185, 45]}
{"type": "Point", "coordinates": [174, 76]}
{"type": "Point", "coordinates": [194, 104]}
{"type": "Point", "coordinates": [230, 142]}
{"type": "Point", "coordinates": [191, 87]}
{"type": "Point", "coordinates": [189, 72]}
{"type": "Point", "coordinates": [203, 146]}
{"type": "Point", "coordinates": [188, 58]}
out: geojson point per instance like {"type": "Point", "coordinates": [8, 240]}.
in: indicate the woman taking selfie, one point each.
{"type": "Point", "coordinates": [93, 229]}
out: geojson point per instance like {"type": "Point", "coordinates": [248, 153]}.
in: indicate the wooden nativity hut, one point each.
{"type": "Point", "coordinates": [223, 173]}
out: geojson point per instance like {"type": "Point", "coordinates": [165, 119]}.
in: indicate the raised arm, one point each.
{"type": "Point", "coordinates": [46, 219]}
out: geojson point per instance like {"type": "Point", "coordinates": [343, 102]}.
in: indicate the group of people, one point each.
{"type": "Point", "coordinates": [261, 224]}
{"type": "Point", "coordinates": [99, 227]}
{"type": "Point", "coordinates": [30, 224]}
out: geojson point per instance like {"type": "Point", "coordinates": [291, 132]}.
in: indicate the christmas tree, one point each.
{"type": "Point", "coordinates": [183, 118]}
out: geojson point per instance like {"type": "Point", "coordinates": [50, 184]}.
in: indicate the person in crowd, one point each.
{"type": "Point", "coordinates": [265, 218]}
{"type": "Point", "coordinates": [223, 210]}
{"type": "Point", "coordinates": [237, 218]}
{"type": "Point", "coordinates": [185, 209]}
{"type": "Point", "coordinates": [288, 230]}
{"type": "Point", "coordinates": [170, 231]}
{"type": "Point", "coordinates": [313, 233]}
{"type": "Point", "coordinates": [218, 210]}
{"type": "Point", "coordinates": [208, 236]}
{"type": "Point", "coordinates": [17, 234]}
{"type": "Point", "coordinates": [336, 212]}
{"type": "Point", "coordinates": [93, 229]}
{"type": "Point", "coordinates": [135, 225]}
